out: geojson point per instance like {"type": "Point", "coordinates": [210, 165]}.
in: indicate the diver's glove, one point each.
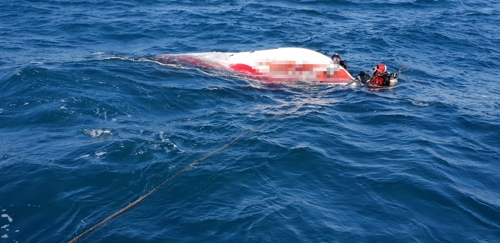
{"type": "Point", "coordinates": [361, 77]}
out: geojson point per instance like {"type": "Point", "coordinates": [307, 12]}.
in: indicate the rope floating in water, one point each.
{"type": "Point", "coordinates": [140, 199]}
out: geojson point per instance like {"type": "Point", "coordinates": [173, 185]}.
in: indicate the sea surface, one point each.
{"type": "Point", "coordinates": [89, 123]}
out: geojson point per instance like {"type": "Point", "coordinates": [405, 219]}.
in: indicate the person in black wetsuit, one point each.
{"type": "Point", "coordinates": [337, 60]}
{"type": "Point", "coordinates": [380, 76]}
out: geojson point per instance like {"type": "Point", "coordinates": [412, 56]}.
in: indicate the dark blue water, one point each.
{"type": "Point", "coordinates": [88, 123]}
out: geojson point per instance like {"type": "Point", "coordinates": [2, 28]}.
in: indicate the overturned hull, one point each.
{"type": "Point", "coordinates": [274, 65]}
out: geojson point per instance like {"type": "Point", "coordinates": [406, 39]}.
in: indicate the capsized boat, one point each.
{"type": "Point", "coordinates": [288, 64]}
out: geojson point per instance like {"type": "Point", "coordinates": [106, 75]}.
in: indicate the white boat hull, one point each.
{"type": "Point", "coordinates": [275, 65]}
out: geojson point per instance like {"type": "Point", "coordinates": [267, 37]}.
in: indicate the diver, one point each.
{"type": "Point", "coordinates": [380, 77]}
{"type": "Point", "coordinates": [337, 60]}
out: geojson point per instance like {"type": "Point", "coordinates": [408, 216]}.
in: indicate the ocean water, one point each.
{"type": "Point", "coordinates": [89, 123]}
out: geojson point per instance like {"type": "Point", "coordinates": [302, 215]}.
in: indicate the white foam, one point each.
{"type": "Point", "coordinates": [5, 226]}
{"type": "Point", "coordinates": [97, 132]}
{"type": "Point", "coordinates": [7, 216]}
{"type": "Point", "coordinates": [420, 103]}
{"type": "Point", "coordinates": [163, 138]}
{"type": "Point", "coordinates": [5, 236]}
{"type": "Point", "coordinates": [84, 156]}
{"type": "Point", "coordinates": [99, 154]}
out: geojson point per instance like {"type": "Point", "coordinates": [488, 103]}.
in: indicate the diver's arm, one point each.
{"type": "Point", "coordinates": [362, 77]}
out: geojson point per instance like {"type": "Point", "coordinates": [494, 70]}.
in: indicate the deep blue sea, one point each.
{"type": "Point", "coordinates": [89, 123]}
